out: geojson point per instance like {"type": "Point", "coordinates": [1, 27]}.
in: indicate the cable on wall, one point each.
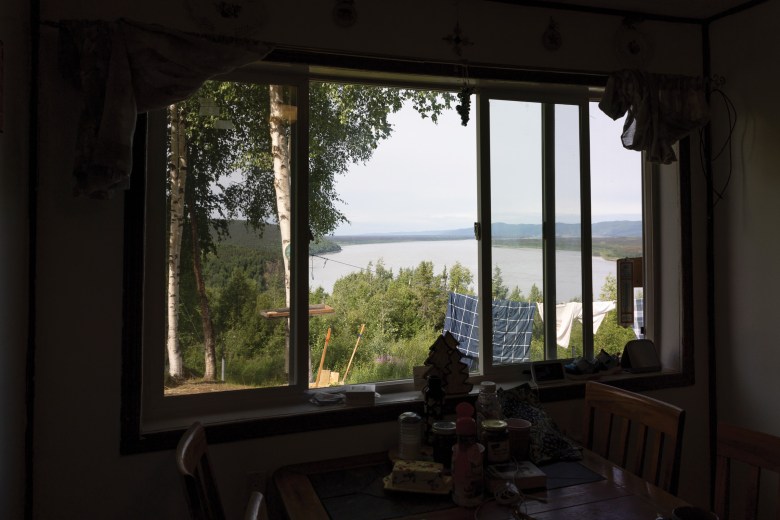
{"type": "Point", "coordinates": [726, 146]}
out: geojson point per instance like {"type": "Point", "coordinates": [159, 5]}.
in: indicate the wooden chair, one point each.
{"type": "Point", "coordinates": [256, 508]}
{"type": "Point", "coordinates": [192, 459]}
{"type": "Point", "coordinates": [619, 423]}
{"type": "Point", "coordinates": [755, 451]}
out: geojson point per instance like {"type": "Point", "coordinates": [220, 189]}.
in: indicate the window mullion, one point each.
{"type": "Point", "coordinates": [586, 242]}
{"type": "Point", "coordinates": [548, 225]}
{"type": "Point", "coordinates": [484, 252]}
{"type": "Point", "coordinates": [299, 286]}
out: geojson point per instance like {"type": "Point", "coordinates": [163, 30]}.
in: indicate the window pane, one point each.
{"type": "Point", "coordinates": [568, 244]}
{"type": "Point", "coordinates": [617, 223]}
{"type": "Point", "coordinates": [516, 220]}
{"type": "Point", "coordinates": [228, 231]}
{"type": "Point", "coordinates": [392, 226]}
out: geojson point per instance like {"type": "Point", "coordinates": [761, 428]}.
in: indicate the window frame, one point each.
{"type": "Point", "coordinates": [244, 419]}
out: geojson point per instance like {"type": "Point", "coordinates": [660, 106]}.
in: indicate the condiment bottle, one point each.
{"type": "Point", "coordinates": [488, 405]}
{"type": "Point", "coordinates": [467, 463]}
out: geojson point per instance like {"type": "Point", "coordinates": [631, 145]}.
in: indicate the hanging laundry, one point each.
{"type": "Point", "coordinates": [512, 328]}
{"type": "Point", "coordinates": [566, 313]}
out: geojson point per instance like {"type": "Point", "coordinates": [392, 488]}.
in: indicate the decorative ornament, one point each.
{"type": "Point", "coordinates": [237, 18]}
{"type": "Point", "coordinates": [344, 13]}
{"type": "Point", "coordinates": [464, 96]}
{"type": "Point", "coordinates": [457, 40]}
{"type": "Point", "coordinates": [633, 48]}
{"type": "Point", "coordinates": [444, 361]}
{"type": "Point", "coordinates": [551, 38]}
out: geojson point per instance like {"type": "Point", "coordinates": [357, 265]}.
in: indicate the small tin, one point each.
{"type": "Point", "coordinates": [496, 439]}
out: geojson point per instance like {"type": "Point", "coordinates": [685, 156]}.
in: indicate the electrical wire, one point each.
{"type": "Point", "coordinates": [731, 113]}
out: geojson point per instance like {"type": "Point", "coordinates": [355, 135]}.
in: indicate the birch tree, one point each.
{"type": "Point", "coordinates": [177, 177]}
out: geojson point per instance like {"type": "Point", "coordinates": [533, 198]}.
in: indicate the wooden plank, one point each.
{"type": "Point", "coordinates": [284, 312]}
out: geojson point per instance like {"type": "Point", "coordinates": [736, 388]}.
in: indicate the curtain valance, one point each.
{"type": "Point", "coordinates": [124, 68]}
{"type": "Point", "coordinates": [661, 110]}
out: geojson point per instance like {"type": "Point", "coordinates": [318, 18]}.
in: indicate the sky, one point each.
{"type": "Point", "coordinates": [424, 177]}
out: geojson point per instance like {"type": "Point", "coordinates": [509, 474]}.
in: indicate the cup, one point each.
{"type": "Point", "coordinates": [692, 513]}
{"type": "Point", "coordinates": [519, 438]}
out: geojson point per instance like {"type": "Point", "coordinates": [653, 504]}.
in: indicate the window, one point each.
{"type": "Point", "coordinates": [330, 229]}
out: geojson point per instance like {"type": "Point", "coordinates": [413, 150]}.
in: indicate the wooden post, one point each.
{"type": "Point", "coordinates": [322, 359]}
{"type": "Point", "coordinates": [360, 335]}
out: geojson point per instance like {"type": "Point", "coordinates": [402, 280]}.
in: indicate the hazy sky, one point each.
{"type": "Point", "coordinates": [424, 177]}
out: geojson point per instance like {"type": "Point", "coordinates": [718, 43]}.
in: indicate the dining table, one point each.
{"type": "Point", "coordinates": [351, 488]}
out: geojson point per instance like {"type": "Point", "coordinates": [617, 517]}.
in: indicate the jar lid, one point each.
{"type": "Point", "coordinates": [494, 425]}
{"type": "Point", "coordinates": [444, 428]}
{"type": "Point", "coordinates": [409, 417]}
{"type": "Point", "coordinates": [516, 424]}
{"type": "Point", "coordinates": [488, 386]}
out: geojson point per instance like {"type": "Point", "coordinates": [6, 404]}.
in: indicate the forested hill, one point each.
{"type": "Point", "coordinates": [243, 236]}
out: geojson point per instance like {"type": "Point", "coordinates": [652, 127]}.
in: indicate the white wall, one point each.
{"type": "Point", "coordinates": [14, 106]}
{"type": "Point", "coordinates": [747, 249]}
{"type": "Point", "coordinates": [80, 245]}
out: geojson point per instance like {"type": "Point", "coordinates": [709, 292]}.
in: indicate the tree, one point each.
{"type": "Point", "coordinates": [347, 123]}
{"type": "Point", "coordinates": [177, 177]}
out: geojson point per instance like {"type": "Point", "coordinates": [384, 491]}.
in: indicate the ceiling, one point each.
{"type": "Point", "coordinates": [684, 9]}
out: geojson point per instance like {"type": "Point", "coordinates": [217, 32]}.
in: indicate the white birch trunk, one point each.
{"type": "Point", "coordinates": [280, 150]}
{"type": "Point", "coordinates": [178, 176]}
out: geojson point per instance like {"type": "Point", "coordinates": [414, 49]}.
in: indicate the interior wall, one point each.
{"type": "Point", "coordinates": [79, 315]}
{"type": "Point", "coordinates": [746, 249]}
{"type": "Point", "coordinates": [14, 138]}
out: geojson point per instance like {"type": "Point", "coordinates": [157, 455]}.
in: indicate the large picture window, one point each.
{"type": "Point", "coordinates": [303, 234]}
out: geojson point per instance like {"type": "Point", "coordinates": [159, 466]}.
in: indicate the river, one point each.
{"type": "Point", "coordinates": [521, 267]}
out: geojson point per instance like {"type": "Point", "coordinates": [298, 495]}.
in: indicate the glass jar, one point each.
{"type": "Point", "coordinates": [495, 434]}
{"type": "Point", "coordinates": [409, 436]}
{"type": "Point", "coordinates": [443, 440]}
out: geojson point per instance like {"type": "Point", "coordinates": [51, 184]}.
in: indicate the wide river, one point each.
{"type": "Point", "coordinates": [519, 267]}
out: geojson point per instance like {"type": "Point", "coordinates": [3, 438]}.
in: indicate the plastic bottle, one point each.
{"type": "Point", "coordinates": [467, 460]}
{"type": "Point", "coordinates": [488, 406]}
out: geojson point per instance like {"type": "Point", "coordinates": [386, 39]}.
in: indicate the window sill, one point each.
{"type": "Point", "coordinates": [304, 417]}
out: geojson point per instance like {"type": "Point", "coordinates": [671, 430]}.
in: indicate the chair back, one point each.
{"type": "Point", "coordinates": [192, 459]}
{"type": "Point", "coordinates": [755, 451]}
{"type": "Point", "coordinates": [256, 508]}
{"type": "Point", "coordinates": [640, 434]}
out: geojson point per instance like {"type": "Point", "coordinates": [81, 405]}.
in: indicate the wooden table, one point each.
{"type": "Point", "coordinates": [620, 495]}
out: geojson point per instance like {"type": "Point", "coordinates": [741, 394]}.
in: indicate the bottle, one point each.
{"type": "Point", "coordinates": [467, 461]}
{"type": "Point", "coordinates": [433, 405]}
{"type": "Point", "coordinates": [488, 406]}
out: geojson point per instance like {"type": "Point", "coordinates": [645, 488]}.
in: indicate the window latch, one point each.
{"type": "Point", "coordinates": [477, 231]}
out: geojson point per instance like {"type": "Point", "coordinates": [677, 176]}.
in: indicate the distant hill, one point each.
{"type": "Point", "coordinates": [246, 237]}
{"type": "Point", "coordinates": [610, 229]}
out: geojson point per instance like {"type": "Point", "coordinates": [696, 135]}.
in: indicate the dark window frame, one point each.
{"type": "Point", "coordinates": [133, 440]}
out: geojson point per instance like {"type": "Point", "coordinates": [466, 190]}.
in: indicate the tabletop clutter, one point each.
{"type": "Point", "coordinates": [478, 455]}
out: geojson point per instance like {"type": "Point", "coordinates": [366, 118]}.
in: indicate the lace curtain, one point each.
{"type": "Point", "coordinates": [661, 110]}
{"type": "Point", "coordinates": [124, 68]}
